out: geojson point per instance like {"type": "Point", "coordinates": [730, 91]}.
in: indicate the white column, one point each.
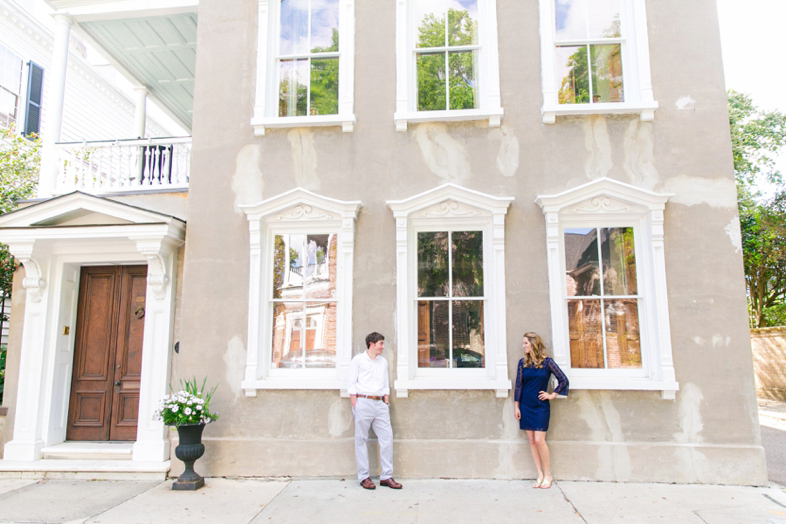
{"type": "Point", "coordinates": [140, 113]}
{"type": "Point", "coordinates": [54, 109]}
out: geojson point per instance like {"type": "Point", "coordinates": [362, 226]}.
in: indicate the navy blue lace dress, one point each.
{"type": "Point", "coordinates": [529, 382]}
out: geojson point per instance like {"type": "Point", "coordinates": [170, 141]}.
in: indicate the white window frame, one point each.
{"type": "Point", "coordinates": [266, 104]}
{"type": "Point", "coordinates": [609, 203]}
{"type": "Point", "coordinates": [451, 207]}
{"type": "Point", "coordinates": [637, 80]}
{"type": "Point", "coordinates": [296, 211]}
{"type": "Point", "coordinates": [489, 102]}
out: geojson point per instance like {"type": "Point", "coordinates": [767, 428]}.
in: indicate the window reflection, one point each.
{"type": "Point", "coordinates": [588, 71]}
{"type": "Point", "coordinates": [304, 305]}
{"type": "Point", "coordinates": [604, 331]}
{"type": "Point", "coordinates": [446, 57]}
{"type": "Point", "coordinates": [308, 57]}
{"type": "Point", "coordinates": [450, 306]}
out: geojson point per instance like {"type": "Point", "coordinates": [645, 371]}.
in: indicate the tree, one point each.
{"type": "Point", "coordinates": [756, 137]}
{"type": "Point", "coordinates": [19, 166]}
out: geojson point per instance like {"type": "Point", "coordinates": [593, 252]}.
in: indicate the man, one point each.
{"type": "Point", "coordinates": [369, 389]}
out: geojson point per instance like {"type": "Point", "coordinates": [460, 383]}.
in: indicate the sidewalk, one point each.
{"type": "Point", "coordinates": [241, 501]}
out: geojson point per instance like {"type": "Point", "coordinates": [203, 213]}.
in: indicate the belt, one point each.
{"type": "Point", "coordinates": [370, 397]}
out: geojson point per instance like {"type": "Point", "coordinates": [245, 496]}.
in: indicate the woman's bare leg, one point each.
{"type": "Point", "coordinates": [534, 449]}
{"type": "Point", "coordinates": [543, 452]}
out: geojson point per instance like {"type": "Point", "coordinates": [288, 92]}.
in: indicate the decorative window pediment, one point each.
{"type": "Point", "coordinates": [450, 289]}
{"type": "Point", "coordinates": [607, 283]}
{"type": "Point", "coordinates": [300, 292]}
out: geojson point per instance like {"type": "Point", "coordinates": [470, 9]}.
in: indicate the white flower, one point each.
{"type": "Point", "coordinates": [175, 408]}
{"type": "Point", "coordinates": [199, 407]}
{"type": "Point", "coordinates": [187, 411]}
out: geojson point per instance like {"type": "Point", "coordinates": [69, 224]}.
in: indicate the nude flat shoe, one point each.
{"type": "Point", "coordinates": [546, 484]}
{"type": "Point", "coordinates": [537, 483]}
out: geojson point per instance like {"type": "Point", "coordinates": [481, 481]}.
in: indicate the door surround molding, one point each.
{"type": "Point", "coordinates": [53, 239]}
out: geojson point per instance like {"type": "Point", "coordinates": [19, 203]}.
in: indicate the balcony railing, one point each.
{"type": "Point", "coordinates": [123, 165]}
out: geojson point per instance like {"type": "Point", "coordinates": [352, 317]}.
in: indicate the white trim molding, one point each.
{"type": "Point", "coordinates": [610, 203]}
{"type": "Point", "coordinates": [296, 211]}
{"type": "Point", "coordinates": [489, 106]}
{"type": "Point", "coordinates": [451, 207]}
{"type": "Point", "coordinates": [54, 239]}
{"type": "Point", "coordinates": [637, 81]}
{"type": "Point", "coordinates": [266, 105]}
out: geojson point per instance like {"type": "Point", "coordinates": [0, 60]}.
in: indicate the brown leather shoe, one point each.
{"type": "Point", "coordinates": [390, 483]}
{"type": "Point", "coordinates": [367, 483]}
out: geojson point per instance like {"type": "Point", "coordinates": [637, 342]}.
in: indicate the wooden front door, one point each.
{"type": "Point", "coordinates": [110, 323]}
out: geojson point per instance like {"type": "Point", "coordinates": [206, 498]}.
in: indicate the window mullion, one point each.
{"type": "Point", "coordinates": [602, 297]}
{"type": "Point", "coordinates": [450, 299]}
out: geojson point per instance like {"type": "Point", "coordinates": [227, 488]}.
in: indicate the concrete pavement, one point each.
{"type": "Point", "coordinates": [257, 501]}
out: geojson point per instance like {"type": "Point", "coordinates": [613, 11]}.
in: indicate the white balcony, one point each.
{"type": "Point", "coordinates": [118, 166]}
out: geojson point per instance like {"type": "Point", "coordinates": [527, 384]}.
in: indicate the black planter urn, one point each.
{"type": "Point", "coordinates": [189, 449]}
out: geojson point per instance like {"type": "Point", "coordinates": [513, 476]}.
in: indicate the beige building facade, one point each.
{"type": "Point", "coordinates": [559, 166]}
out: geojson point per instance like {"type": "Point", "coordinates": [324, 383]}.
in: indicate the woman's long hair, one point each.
{"type": "Point", "coordinates": [538, 352]}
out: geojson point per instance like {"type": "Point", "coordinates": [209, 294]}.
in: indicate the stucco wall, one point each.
{"type": "Point", "coordinates": [709, 434]}
{"type": "Point", "coordinates": [769, 362]}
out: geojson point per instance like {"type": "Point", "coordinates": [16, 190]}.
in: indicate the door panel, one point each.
{"type": "Point", "coordinates": [104, 400]}
{"type": "Point", "coordinates": [128, 360]}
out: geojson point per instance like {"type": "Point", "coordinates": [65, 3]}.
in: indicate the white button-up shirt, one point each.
{"type": "Point", "coordinates": [368, 377]}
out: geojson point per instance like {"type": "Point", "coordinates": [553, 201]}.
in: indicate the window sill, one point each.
{"type": "Point", "coordinates": [645, 110]}
{"type": "Point", "coordinates": [494, 117]}
{"type": "Point", "coordinates": [250, 387]}
{"type": "Point", "coordinates": [347, 123]}
{"type": "Point", "coordinates": [668, 389]}
{"type": "Point", "coordinates": [502, 387]}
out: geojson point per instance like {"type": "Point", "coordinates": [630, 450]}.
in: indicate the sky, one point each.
{"type": "Point", "coordinates": [753, 60]}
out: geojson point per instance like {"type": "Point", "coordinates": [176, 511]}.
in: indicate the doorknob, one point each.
{"type": "Point", "coordinates": [140, 312]}
{"type": "Point", "coordinates": [118, 383]}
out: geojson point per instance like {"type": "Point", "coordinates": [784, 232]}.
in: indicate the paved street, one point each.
{"type": "Point", "coordinates": [327, 501]}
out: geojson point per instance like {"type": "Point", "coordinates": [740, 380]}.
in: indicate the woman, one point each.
{"type": "Point", "coordinates": [532, 401]}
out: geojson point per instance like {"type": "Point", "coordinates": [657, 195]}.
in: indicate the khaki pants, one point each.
{"type": "Point", "coordinates": [375, 414]}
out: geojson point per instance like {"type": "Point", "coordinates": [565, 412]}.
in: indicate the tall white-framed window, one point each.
{"type": "Point", "coordinates": [447, 61]}
{"type": "Point", "coordinates": [10, 87]}
{"type": "Point", "coordinates": [607, 285]}
{"type": "Point", "coordinates": [305, 62]}
{"type": "Point", "coordinates": [450, 291]}
{"type": "Point", "coordinates": [595, 58]}
{"type": "Point", "coordinates": [300, 292]}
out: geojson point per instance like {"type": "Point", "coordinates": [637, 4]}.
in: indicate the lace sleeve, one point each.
{"type": "Point", "coordinates": [517, 392]}
{"type": "Point", "coordinates": [562, 380]}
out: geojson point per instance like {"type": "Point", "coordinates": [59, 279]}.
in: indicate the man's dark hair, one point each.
{"type": "Point", "coordinates": [373, 338]}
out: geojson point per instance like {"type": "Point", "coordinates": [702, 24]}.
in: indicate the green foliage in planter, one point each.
{"type": "Point", "coordinates": [189, 405]}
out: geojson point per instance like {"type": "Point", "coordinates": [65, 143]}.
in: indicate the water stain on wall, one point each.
{"type": "Point", "coordinates": [235, 360]}
{"type": "Point", "coordinates": [598, 411]}
{"type": "Point", "coordinates": [508, 156]}
{"type": "Point", "coordinates": [339, 417]}
{"type": "Point", "coordinates": [694, 463]}
{"type": "Point", "coordinates": [598, 145]}
{"type": "Point", "coordinates": [638, 145]}
{"type": "Point", "coordinates": [247, 181]}
{"type": "Point", "coordinates": [444, 155]}
{"type": "Point", "coordinates": [691, 191]}
{"type": "Point", "coordinates": [304, 158]}
{"type": "Point", "coordinates": [735, 233]}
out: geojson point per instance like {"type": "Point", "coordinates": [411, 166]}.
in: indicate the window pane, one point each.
{"type": "Point", "coordinates": [462, 80]}
{"type": "Point", "coordinates": [468, 346]}
{"type": "Point", "coordinates": [288, 337]}
{"type": "Point", "coordinates": [581, 261]}
{"type": "Point", "coordinates": [604, 19]}
{"type": "Point", "coordinates": [619, 261]}
{"type": "Point", "coordinates": [431, 82]}
{"type": "Point", "coordinates": [320, 335]}
{"type": "Point", "coordinates": [433, 275]}
{"type": "Point", "coordinates": [570, 19]}
{"type": "Point", "coordinates": [433, 334]}
{"type": "Point", "coordinates": [324, 86]}
{"type": "Point", "coordinates": [319, 269]}
{"type": "Point", "coordinates": [607, 73]}
{"type": "Point", "coordinates": [586, 334]}
{"type": "Point", "coordinates": [623, 344]}
{"type": "Point", "coordinates": [429, 17]}
{"type": "Point", "coordinates": [294, 27]}
{"type": "Point", "coordinates": [463, 22]}
{"type": "Point", "coordinates": [288, 256]}
{"type": "Point", "coordinates": [293, 88]}
{"type": "Point", "coordinates": [324, 26]}
{"type": "Point", "coordinates": [572, 73]}
{"type": "Point", "coordinates": [467, 248]}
